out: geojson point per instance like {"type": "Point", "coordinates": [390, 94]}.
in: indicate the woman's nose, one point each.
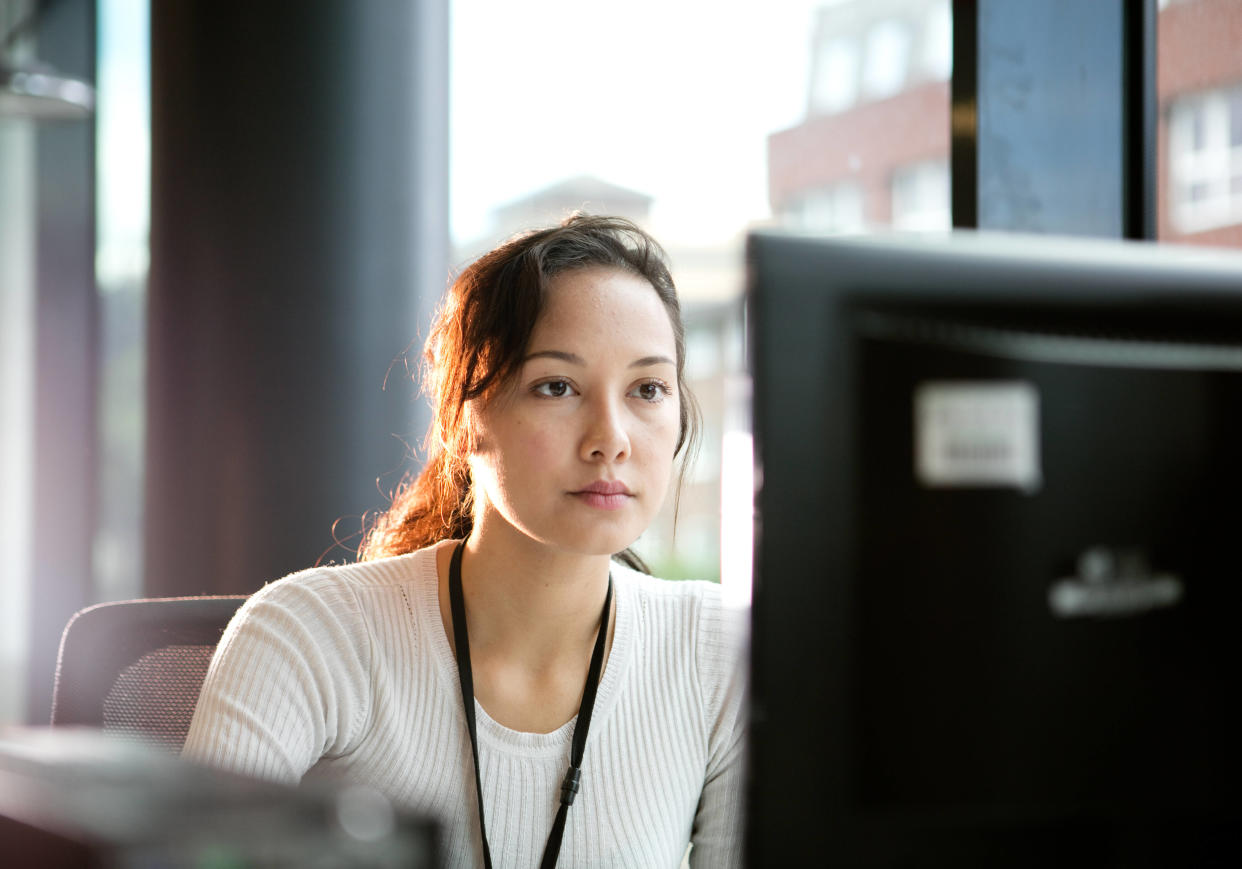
{"type": "Point", "coordinates": [606, 438]}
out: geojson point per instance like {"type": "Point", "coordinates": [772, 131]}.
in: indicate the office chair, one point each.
{"type": "Point", "coordinates": [135, 667]}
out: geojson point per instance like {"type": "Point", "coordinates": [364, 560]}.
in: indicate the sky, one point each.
{"type": "Point", "coordinates": [673, 98]}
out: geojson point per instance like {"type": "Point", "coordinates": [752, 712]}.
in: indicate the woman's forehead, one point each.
{"type": "Point", "coordinates": [601, 298]}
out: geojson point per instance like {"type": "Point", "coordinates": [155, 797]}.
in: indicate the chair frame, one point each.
{"type": "Point", "coordinates": [91, 646]}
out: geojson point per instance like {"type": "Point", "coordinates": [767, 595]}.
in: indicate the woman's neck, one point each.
{"type": "Point", "coordinates": [526, 600]}
{"type": "Point", "coordinates": [533, 615]}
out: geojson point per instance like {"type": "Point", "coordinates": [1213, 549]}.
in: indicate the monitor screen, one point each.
{"type": "Point", "coordinates": [997, 612]}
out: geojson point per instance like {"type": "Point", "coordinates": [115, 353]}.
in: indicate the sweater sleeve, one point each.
{"type": "Point", "coordinates": [288, 683]}
{"type": "Point", "coordinates": [718, 823]}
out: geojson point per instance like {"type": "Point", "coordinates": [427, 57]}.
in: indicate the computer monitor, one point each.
{"type": "Point", "coordinates": [997, 615]}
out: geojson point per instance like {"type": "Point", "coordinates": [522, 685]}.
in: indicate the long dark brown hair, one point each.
{"type": "Point", "coordinates": [477, 343]}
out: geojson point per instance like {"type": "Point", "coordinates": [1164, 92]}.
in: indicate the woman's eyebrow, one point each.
{"type": "Point", "coordinates": [572, 358]}
{"type": "Point", "coordinates": [651, 360]}
{"type": "Point", "coordinates": [575, 359]}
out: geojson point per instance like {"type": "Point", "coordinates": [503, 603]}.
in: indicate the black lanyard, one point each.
{"type": "Point", "coordinates": [573, 778]}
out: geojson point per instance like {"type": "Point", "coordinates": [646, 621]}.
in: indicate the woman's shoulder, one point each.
{"type": "Point", "coordinates": [671, 597]}
{"type": "Point", "coordinates": [341, 592]}
{"type": "Point", "coordinates": [683, 592]}
{"type": "Point", "coordinates": [327, 579]}
{"type": "Point", "coordinates": [686, 607]}
{"type": "Point", "coordinates": [688, 621]}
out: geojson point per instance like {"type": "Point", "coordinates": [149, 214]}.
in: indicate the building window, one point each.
{"type": "Point", "coordinates": [835, 209]}
{"type": "Point", "coordinates": [834, 87]}
{"type": "Point", "coordinates": [937, 53]}
{"type": "Point", "coordinates": [1205, 159]}
{"type": "Point", "coordinates": [920, 196]}
{"type": "Point", "coordinates": [888, 50]}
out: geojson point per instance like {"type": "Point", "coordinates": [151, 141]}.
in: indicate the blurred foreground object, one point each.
{"type": "Point", "coordinates": [78, 797]}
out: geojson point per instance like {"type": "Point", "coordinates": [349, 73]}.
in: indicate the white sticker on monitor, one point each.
{"type": "Point", "coordinates": [970, 433]}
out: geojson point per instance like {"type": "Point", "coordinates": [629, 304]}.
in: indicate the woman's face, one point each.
{"type": "Point", "coordinates": [577, 450]}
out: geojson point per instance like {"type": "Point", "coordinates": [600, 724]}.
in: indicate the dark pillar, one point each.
{"type": "Point", "coordinates": [66, 337]}
{"type": "Point", "coordinates": [1054, 116]}
{"type": "Point", "coordinates": [298, 237]}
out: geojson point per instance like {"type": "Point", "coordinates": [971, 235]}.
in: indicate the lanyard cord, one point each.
{"type": "Point", "coordinates": [573, 778]}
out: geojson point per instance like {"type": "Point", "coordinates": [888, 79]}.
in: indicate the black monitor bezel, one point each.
{"type": "Point", "coordinates": [804, 294]}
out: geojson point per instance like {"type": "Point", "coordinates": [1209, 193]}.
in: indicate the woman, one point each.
{"type": "Point", "coordinates": [606, 722]}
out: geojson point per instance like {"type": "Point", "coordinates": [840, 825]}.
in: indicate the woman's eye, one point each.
{"type": "Point", "coordinates": [652, 390]}
{"type": "Point", "coordinates": [554, 388]}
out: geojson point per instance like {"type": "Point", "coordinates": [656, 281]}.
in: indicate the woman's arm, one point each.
{"type": "Point", "coordinates": [719, 821]}
{"type": "Point", "coordinates": [288, 683]}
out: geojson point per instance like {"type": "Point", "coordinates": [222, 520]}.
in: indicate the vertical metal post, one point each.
{"type": "Point", "coordinates": [1141, 118]}
{"type": "Point", "coordinates": [964, 116]}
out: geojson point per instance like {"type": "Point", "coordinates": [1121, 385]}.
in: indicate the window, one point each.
{"type": "Point", "coordinates": [834, 209]}
{"type": "Point", "coordinates": [121, 179]}
{"type": "Point", "coordinates": [921, 196]}
{"type": "Point", "coordinates": [1199, 138]}
{"type": "Point", "coordinates": [879, 158]}
{"type": "Point", "coordinates": [17, 287]}
{"type": "Point", "coordinates": [675, 139]}
{"type": "Point", "coordinates": [887, 57]}
{"type": "Point", "coordinates": [836, 77]}
{"type": "Point", "coordinates": [1205, 160]}
{"type": "Point", "coordinates": [937, 42]}
{"type": "Point", "coordinates": [123, 147]}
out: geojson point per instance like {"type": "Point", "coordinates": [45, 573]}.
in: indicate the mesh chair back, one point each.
{"type": "Point", "coordinates": [135, 667]}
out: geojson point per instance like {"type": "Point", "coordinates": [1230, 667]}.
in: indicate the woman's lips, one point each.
{"type": "Point", "coordinates": [604, 494]}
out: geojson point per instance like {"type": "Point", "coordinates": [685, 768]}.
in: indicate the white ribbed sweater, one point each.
{"type": "Point", "coordinates": [347, 672]}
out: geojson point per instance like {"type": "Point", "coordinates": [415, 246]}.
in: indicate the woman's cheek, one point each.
{"type": "Point", "coordinates": [669, 433]}
{"type": "Point", "coordinates": [542, 446]}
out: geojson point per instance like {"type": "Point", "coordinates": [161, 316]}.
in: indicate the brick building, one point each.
{"type": "Point", "coordinates": [874, 147]}
{"type": "Point", "coordinates": [1199, 82]}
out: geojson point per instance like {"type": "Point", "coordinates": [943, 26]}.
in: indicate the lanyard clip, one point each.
{"type": "Point", "coordinates": [569, 787]}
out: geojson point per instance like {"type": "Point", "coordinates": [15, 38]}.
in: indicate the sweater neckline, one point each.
{"type": "Point", "coordinates": [492, 732]}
